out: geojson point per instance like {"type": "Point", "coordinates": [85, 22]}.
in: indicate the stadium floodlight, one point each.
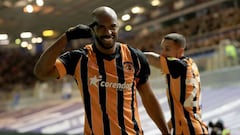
{"type": "Point", "coordinates": [40, 3]}
{"type": "Point", "coordinates": [137, 10]}
{"type": "Point", "coordinates": [3, 36]}
{"type": "Point", "coordinates": [155, 3]}
{"type": "Point", "coordinates": [126, 17]}
{"type": "Point", "coordinates": [26, 35]}
{"type": "Point", "coordinates": [28, 9]}
{"type": "Point", "coordinates": [48, 33]}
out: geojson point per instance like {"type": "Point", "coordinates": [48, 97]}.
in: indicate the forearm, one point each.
{"type": "Point", "coordinates": [155, 112]}
{"type": "Point", "coordinates": [152, 106]}
{"type": "Point", "coordinates": [44, 68]}
{"type": "Point", "coordinates": [153, 59]}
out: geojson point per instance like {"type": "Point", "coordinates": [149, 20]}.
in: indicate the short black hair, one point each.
{"type": "Point", "coordinates": [177, 38]}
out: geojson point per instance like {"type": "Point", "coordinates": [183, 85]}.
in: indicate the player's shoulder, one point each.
{"type": "Point", "coordinates": [79, 51]}
{"type": "Point", "coordinates": [132, 49]}
{"type": "Point", "coordinates": [75, 54]}
{"type": "Point", "coordinates": [137, 53]}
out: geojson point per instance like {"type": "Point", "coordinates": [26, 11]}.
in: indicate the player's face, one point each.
{"type": "Point", "coordinates": [106, 31]}
{"type": "Point", "coordinates": [170, 49]}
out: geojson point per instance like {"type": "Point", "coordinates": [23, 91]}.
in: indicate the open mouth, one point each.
{"type": "Point", "coordinates": [107, 38]}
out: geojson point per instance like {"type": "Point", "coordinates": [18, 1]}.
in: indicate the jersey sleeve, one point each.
{"type": "Point", "coordinates": [173, 66]}
{"type": "Point", "coordinates": [66, 63]}
{"type": "Point", "coordinates": [144, 70]}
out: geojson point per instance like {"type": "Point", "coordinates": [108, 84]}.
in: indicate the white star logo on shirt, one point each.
{"type": "Point", "coordinates": [94, 80]}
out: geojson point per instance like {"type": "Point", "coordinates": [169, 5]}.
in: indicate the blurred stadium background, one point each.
{"type": "Point", "coordinates": [31, 106]}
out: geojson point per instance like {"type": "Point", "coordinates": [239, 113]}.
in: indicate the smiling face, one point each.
{"type": "Point", "coordinates": [169, 48]}
{"type": "Point", "coordinates": [105, 29]}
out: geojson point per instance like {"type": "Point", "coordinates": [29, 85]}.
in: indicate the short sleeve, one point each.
{"type": "Point", "coordinates": [173, 66]}
{"type": "Point", "coordinates": [144, 70]}
{"type": "Point", "coordinates": [68, 62]}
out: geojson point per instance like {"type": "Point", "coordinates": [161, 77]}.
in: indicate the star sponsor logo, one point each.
{"type": "Point", "coordinates": [97, 81]}
{"type": "Point", "coordinates": [94, 80]}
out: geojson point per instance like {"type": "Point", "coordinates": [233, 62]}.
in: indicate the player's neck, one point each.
{"type": "Point", "coordinates": [107, 51]}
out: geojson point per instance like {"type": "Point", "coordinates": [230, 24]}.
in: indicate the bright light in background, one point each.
{"type": "Point", "coordinates": [28, 9]}
{"type": "Point", "coordinates": [4, 42]}
{"type": "Point", "coordinates": [155, 3]}
{"type": "Point", "coordinates": [24, 44]}
{"type": "Point", "coordinates": [18, 41]}
{"type": "Point", "coordinates": [126, 17]}
{"type": "Point", "coordinates": [48, 33]}
{"type": "Point", "coordinates": [26, 35]}
{"type": "Point", "coordinates": [29, 46]}
{"type": "Point", "coordinates": [36, 40]}
{"type": "Point", "coordinates": [128, 28]}
{"type": "Point", "coordinates": [3, 36]}
{"type": "Point", "coordinates": [40, 3]}
{"type": "Point", "coordinates": [137, 10]}
{"type": "Point", "coordinates": [4, 39]}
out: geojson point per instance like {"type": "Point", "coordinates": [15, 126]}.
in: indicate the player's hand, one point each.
{"type": "Point", "coordinates": [79, 31]}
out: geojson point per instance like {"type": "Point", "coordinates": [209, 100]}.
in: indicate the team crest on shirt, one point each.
{"type": "Point", "coordinates": [128, 66]}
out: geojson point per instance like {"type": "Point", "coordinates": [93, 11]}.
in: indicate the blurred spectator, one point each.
{"type": "Point", "coordinates": [231, 53]}
{"type": "Point", "coordinates": [205, 28]}
{"type": "Point", "coordinates": [16, 67]}
{"type": "Point", "coordinates": [218, 128]}
{"type": "Point", "coordinates": [16, 95]}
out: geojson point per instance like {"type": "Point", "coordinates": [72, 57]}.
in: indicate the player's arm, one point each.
{"type": "Point", "coordinates": [45, 67]}
{"type": "Point", "coordinates": [153, 59]}
{"type": "Point", "coordinates": [152, 106]}
{"type": "Point", "coordinates": [149, 100]}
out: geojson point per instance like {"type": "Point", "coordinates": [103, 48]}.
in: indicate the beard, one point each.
{"type": "Point", "coordinates": [105, 44]}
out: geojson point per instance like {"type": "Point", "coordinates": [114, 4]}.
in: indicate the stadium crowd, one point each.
{"type": "Point", "coordinates": [16, 68]}
{"type": "Point", "coordinates": [206, 28]}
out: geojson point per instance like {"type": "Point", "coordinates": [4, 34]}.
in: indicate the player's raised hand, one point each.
{"type": "Point", "coordinates": [79, 31]}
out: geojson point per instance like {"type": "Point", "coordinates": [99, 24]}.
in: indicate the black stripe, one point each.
{"type": "Point", "coordinates": [102, 96]}
{"type": "Point", "coordinates": [189, 122]}
{"type": "Point", "coordinates": [120, 103]}
{"type": "Point", "coordinates": [202, 127]}
{"type": "Point", "coordinates": [135, 61]}
{"type": "Point", "coordinates": [183, 88]}
{"type": "Point", "coordinates": [86, 95]}
{"type": "Point", "coordinates": [171, 103]}
{"type": "Point", "coordinates": [195, 107]}
{"type": "Point", "coordinates": [182, 99]}
{"type": "Point", "coordinates": [136, 67]}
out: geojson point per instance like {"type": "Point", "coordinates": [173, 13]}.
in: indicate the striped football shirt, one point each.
{"type": "Point", "coordinates": [107, 84]}
{"type": "Point", "coordinates": [184, 95]}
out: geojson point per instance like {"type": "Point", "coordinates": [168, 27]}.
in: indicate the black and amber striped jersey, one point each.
{"type": "Point", "coordinates": [107, 84]}
{"type": "Point", "coordinates": [184, 95]}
